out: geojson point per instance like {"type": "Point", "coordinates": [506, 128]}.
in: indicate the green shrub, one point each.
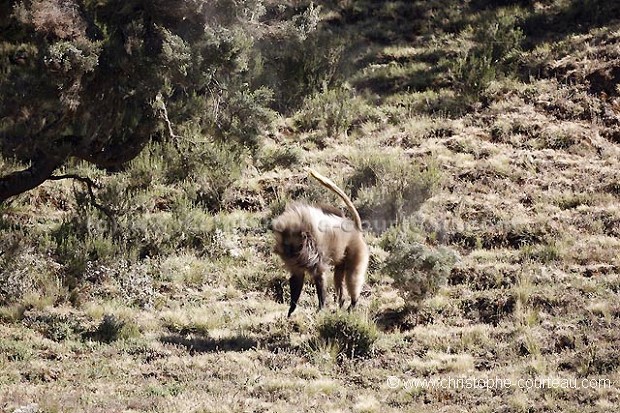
{"type": "Point", "coordinates": [245, 116]}
{"type": "Point", "coordinates": [271, 157]}
{"type": "Point", "coordinates": [220, 168]}
{"type": "Point", "coordinates": [147, 169]}
{"type": "Point", "coordinates": [331, 110]}
{"type": "Point", "coordinates": [353, 335]}
{"type": "Point", "coordinates": [203, 167]}
{"type": "Point", "coordinates": [153, 208]}
{"type": "Point", "coordinates": [192, 169]}
{"type": "Point", "coordinates": [496, 44]}
{"type": "Point", "coordinates": [473, 72]}
{"type": "Point", "coordinates": [113, 328]}
{"type": "Point", "coordinates": [390, 187]}
{"type": "Point", "coordinates": [75, 246]}
{"type": "Point", "coordinates": [54, 326]}
{"type": "Point", "coordinates": [300, 60]}
{"type": "Point", "coordinates": [417, 269]}
{"type": "Point", "coordinates": [165, 233]}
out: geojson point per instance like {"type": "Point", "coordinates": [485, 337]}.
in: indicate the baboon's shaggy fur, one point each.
{"type": "Point", "coordinates": [310, 238]}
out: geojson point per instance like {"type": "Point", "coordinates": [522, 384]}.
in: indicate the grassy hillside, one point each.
{"type": "Point", "coordinates": [481, 141]}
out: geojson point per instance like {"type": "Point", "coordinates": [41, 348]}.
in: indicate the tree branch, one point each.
{"type": "Point", "coordinates": [44, 162]}
{"type": "Point", "coordinates": [114, 155]}
{"type": "Point", "coordinates": [90, 184]}
{"type": "Point", "coordinates": [27, 179]}
{"type": "Point", "coordinates": [173, 136]}
{"type": "Point", "coordinates": [164, 114]}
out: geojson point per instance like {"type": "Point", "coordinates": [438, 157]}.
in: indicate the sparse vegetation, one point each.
{"type": "Point", "coordinates": [478, 139]}
{"type": "Point", "coordinates": [113, 328]}
{"type": "Point", "coordinates": [331, 111]}
{"type": "Point", "coordinates": [390, 187]}
{"type": "Point", "coordinates": [350, 333]}
{"type": "Point", "coordinates": [495, 43]}
{"type": "Point", "coordinates": [417, 270]}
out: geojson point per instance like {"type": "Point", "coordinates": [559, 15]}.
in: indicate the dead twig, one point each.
{"type": "Point", "coordinates": [173, 136]}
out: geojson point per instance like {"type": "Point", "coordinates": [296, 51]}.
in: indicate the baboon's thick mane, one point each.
{"type": "Point", "coordinates": [309, 255]}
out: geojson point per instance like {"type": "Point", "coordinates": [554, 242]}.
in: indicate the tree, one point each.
{"type": "Point", "coordinates": [93, 79]}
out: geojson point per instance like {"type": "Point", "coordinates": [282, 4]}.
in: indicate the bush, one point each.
{"type": "Point", "coordinates": [271, 157]}
{"type": "Point", "coordinates": [27, 274]}
{"type": "Point", "coordinates": [141, 222]}
{"type": "Point", "coordinates": [417, 270]}
{"type": "Point", "coordinates": [113, 328]}
{"type": "Point", "coordinates": [165, 234]}
{"type": "Point", "coordinates": [390, 187]}
{"type": "Point", "coordinates": [244, 115]}
{"type": "Point", "coordinates": [204, 168]}
{"type": "Point", "coordinates": [332, 110]}
{"type": "Point", "coordinates": [353, 335]}
{"type": "Point", "coordinates": [81, 239]}
{"type": "Point", "coordinates": [496, 46]}
{"type": "Point", "coordinates": [299, 60]}
{"type": "Point", "coordinates": [54, 326]}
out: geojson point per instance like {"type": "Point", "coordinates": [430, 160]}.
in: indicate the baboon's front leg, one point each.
{"type": "Point", "coordinates": [320, 288]}
{"type": "Point", "coordinates": [296, 282]}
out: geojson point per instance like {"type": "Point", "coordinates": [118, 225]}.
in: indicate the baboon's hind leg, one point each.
{"type": "Point", "coordinates": [354, 278]}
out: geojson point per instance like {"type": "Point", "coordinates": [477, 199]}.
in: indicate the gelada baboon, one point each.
{"type": "Point", "coordinates": [311, 238]}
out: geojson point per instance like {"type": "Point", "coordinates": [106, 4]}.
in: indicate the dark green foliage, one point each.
{"type": "Point", "coordinates": [354, 336]}
{"type": "Point", "coordinates": [496, 45]}
{"type": "Point", "coordinates": [79, 240]}
{"type": "Point", "coordinates": [204, 167]}
{"type": "Point", "coordinates": [56, 327]}
{"type": "Point", "coordinates": [109, 329]}
{"type": "Point", "coordinates": [243, 116]}
{"type": "Point", "coordinates": [99, 80]}
{"type": "Point", "coordinates": [306, 68]}
{"type": "Point", "coordinates": [299, 60]}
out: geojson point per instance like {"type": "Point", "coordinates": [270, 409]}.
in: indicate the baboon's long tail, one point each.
{"type": "Point", "coordinates": [328, 183]}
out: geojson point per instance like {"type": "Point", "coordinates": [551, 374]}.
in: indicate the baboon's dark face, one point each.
{"type": "Point", "coordinates": [289, 237]}
{"type": "Point", "coordinates": [292, 242]}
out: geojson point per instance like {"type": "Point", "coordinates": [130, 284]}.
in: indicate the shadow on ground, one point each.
{"type": "Point", "coordinates": [196, 344]}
